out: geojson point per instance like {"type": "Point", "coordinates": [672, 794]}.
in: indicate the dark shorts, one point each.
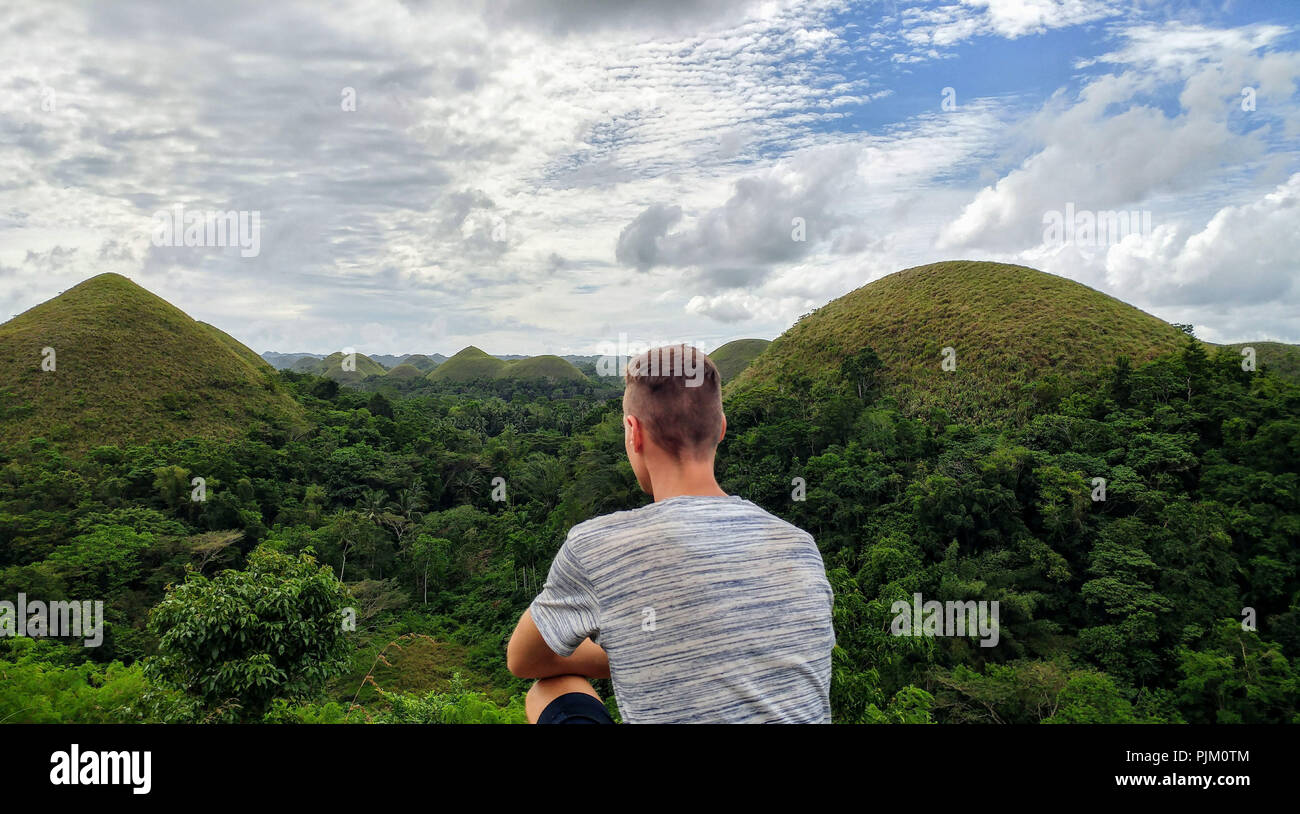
{"type": "Point", "coordinates": [575, 708]}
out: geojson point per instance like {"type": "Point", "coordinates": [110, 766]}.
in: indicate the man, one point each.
{"type": "Point", "coordinates": [702, 607]}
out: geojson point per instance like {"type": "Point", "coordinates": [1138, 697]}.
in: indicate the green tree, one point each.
{"type": "Point", "coordinates": [241, 639]}
{"type": "Point", "coordinates": [172, 483]}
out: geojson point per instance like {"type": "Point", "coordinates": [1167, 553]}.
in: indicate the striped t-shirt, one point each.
{"type": "Point", "coordinates": [711, 611]}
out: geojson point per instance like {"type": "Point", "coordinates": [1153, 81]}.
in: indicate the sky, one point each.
{"type": "Point", "coordinates": [547, 176]}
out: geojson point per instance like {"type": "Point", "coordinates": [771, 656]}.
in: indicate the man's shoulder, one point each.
{"type": "Point", "coordinates": [611, 528]}
{"type": "Point", "coordinates": [602, 527]}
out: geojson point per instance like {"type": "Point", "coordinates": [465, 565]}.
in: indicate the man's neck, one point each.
{"type": "Point", "coordinates": [685, 481]}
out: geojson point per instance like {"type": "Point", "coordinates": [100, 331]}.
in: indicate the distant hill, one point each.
{"type": "Point", "coordinates": [542, 367]}
{"type": "Point", "coordinates": [1282, 359]}
{"type": "Point", "coordinates": [286, 361]}
{"type": "Point", "coordinates": [425, 363]}
{"type": "Point", "coordinates": [308, 364]}
{"type": "Point", "coordinates": [472, 364]}
{"type": "Point", "coordinates": [1008, 325]}
{"type": "Point", "coordinates": [359, 367]}
{"type": "Point", "coordinates": [467, 365]}
{"type": "Point", "coordinates": [130, 367]}
{"type": "Point", "coordinates": [332, 367]}
{"type": "Point", "coordinates": [735, 356]}
{"type": "Point", "coordinates": [405, 371]}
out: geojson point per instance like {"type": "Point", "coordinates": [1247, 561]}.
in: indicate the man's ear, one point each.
{"type": "Point", "coordinates": [723, 434]}
{"type": "Point", "coordinates": [632, 427]}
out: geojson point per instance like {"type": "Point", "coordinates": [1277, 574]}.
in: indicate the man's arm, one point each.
{"type": "Point", "coordinates": [528, 655]}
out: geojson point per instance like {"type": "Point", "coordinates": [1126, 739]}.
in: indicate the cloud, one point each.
{"type": "Point", "coordinates": [731, 307]}
{"type": "Point", "coordinates": [1245, 255]}
{"type": "Point", "coordinates": [547, 174]}
{"type": "Point", "coordinates": [638, 243]}
{"type": "Point", "coordinates": [1116, 145]}
{"type": "Point", "coordinates": [777, 217]}
{"type": "Point", "coordinates": [584, 16]}
{"type": "Point", "coordinates": [947, 25]}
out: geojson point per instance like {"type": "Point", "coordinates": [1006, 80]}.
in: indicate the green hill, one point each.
{"type": "Point", "coordinates": [472, 364]}
{"type": "Point", "coordinates": [735, 356]}
{"type": "Point", "coordinates": [467, 365]}
{"type": "Point", "coordinates": [542, 367]}
{"type": "Point", "coordinates": [423, 363]}
{"type": "Point", "coordinates": [1008, 325]}
{"type": "Point", "coordinates": [405, 371]}
{"type": "Point", "coordinates": [130, 367]}
{"type": "Point", "coordinates": [361, 367]}
{"type": "Point", "coordinates": [1282, 359]}
{"type": "Point", "coordinates": [308, 364]}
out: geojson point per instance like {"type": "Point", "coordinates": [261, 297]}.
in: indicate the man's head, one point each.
{"type": "Point", "coordinates": [672, 412]}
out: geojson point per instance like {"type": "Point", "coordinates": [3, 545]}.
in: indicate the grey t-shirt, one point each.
{"type": "Point", "coordinates": [711, 611]}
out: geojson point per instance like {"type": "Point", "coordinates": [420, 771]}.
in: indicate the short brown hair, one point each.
{"type": "Point", "coordinates": [676, 392]}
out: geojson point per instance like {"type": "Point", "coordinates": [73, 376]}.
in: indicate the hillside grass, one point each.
{"type": "Point", "coordinates": [542, 367]}
{"type": "Point", "coordinates": [1008, 325]}
{"type": "Point", "coordinates": [735, 356]}
{"type": "Point", "coordinates": [332, 367]}
{"type": "Point", "coordinates": [130, 367]}
{"type": "Point", "coordinates": [1280, 358]}
{"type": "Point", "coordinates": [405, 371]}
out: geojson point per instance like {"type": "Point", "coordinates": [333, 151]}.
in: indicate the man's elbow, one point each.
{"type": "Point", "coordinates": [516, 663]}
{"type": "Point", "coordinates": [519, 661]}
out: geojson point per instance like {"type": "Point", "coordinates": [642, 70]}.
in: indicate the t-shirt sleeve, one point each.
{"type": "Point", "coordinates": [566, 611]}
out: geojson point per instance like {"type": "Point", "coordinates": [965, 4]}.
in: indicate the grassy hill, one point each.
{"type": "Point", "coordinates": [332, 367]}
{"type": "Point", "coordinates": [424, 363]}
{"type": "Point", "coordinates": [1008, 325]}
{"type": "Point", "coordinates": [542, 367]}
{"type": "Point", "coordinates": [735, 356]}
{"type": "Point", "coordinates": [307, 364]}
{"type": "Point", "coordinates": [130, 367]}
{"type": "Point", "coordinates": [472, 364]}
{"type": "Point", "coordinates": [362, 366]}
{"type": "Point", "coordinates": [467, 365]}
{"type": "Point", "coordinates": [1282, 359]}
{"type": "Point", "coordinates": [405, 371]}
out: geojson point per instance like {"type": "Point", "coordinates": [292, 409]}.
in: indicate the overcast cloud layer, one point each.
{"type": "Point", "coordinates": [536, 177]}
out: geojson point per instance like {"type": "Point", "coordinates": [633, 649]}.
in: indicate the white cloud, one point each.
{"type": "Point", "coordinates": [1244, 255]}
{"type": "Point", "coordinates": [505, 175]}
{"type": "Point", "coordinates": [947, 25]}
{"type": "Point", "coordinates": [1115, 146]}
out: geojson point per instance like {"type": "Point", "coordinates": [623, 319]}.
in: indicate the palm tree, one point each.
{"type": "Point", "coordinates": [372, 504]}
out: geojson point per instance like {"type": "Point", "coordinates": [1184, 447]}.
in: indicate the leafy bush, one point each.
{"type": "Point", "coordinates": [240, 640]}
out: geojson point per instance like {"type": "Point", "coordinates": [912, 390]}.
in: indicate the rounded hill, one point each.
{"type": "Point", "coordinates": [467, 365]}
{"type": "Point", "coordinates": [358, 367]}
{"type": "Point", "coordinates": [542, 367]}
{"type": "Point", "coordinates": [405, 371]}
{"type": "Point", "coordinates": [421, 362]}
{"type": "Point", "coordinates": [1003, 327]}
{"type": "Point", "coordinates": [127, 366]}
